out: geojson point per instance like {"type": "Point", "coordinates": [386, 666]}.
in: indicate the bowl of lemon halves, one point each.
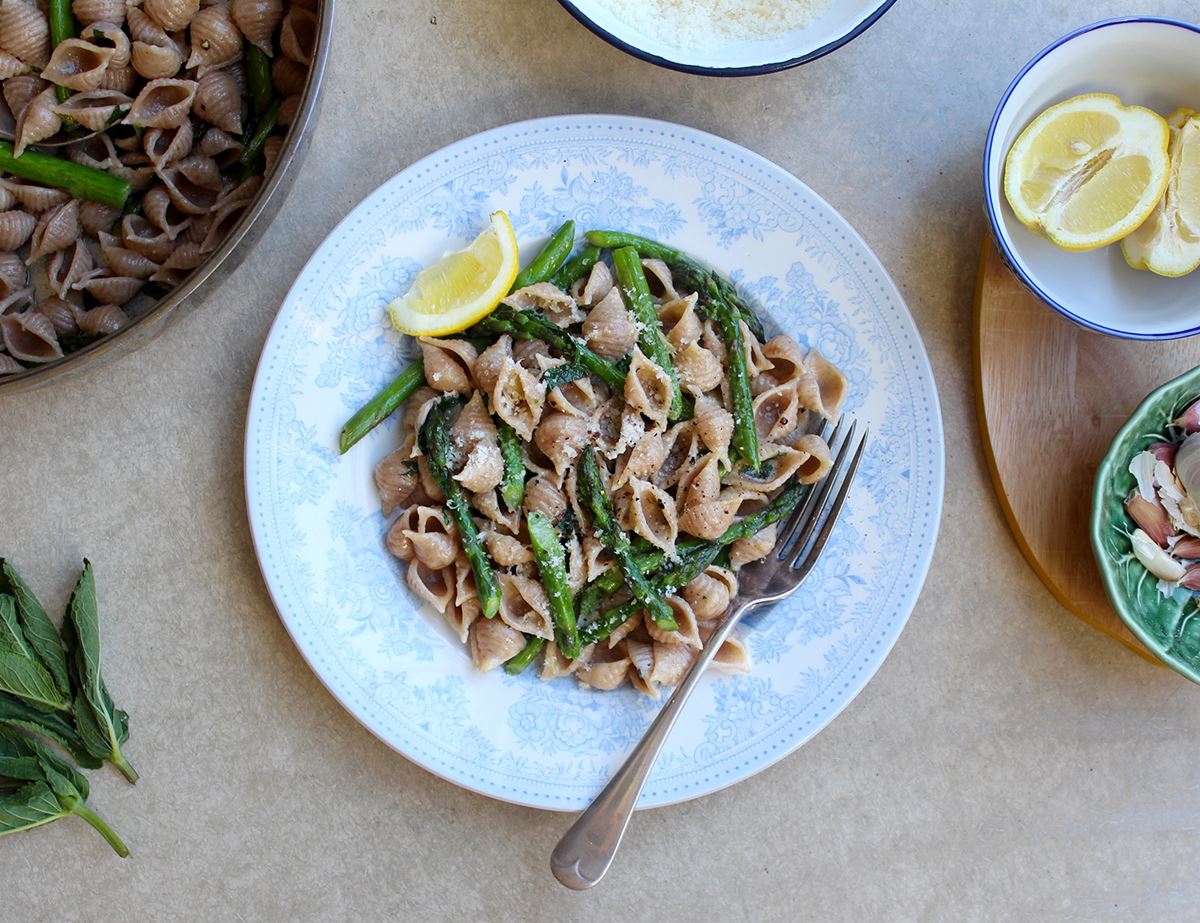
{"type": "Point", "coordinates": [1092, 177]}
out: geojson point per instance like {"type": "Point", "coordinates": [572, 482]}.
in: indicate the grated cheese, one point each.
{"type": "Point", "coordinates": [695, 23]}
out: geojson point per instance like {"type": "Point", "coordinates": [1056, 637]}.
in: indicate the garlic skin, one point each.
{"type": "Point", "coordinates": [1154, 559]}
{"type": "Point", "coordinates": [1141, 466]}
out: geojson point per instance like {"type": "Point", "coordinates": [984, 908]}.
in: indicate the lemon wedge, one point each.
{"type": "Point", "coordinates": [1088, 171]}
{"type": "Point", "coordinates": [461, 287]}
{"type": "Point", "coordinates": [1168, 242]}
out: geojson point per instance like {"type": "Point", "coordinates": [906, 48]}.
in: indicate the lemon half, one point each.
{"type": "Point", "coordinates": [1088, 171]}
{"type": "Point", "coordinates": [1168, 242]}
{"type": "Point", "coordinates": [461, 287]}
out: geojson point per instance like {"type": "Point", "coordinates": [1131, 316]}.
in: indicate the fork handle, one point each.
{"type": "Point", "coordinates": [586, 851]}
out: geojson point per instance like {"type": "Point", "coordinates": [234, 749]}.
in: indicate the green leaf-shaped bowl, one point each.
{"type": "Point", "coordinates": [1168, 625]}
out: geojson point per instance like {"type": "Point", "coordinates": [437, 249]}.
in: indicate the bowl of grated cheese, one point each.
{"type": "Point", "coordinates": [729, 38]}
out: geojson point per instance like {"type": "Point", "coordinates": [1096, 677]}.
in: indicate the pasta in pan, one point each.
{"type": "Point", "coordinates": [188, 101]}
{"type": "Point", "coordinates": [582, 474]}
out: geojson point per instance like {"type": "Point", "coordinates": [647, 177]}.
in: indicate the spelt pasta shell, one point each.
{"type": "Point", "coordinates": [257, 20]}
{"type": "Point", "coordinates": [37, 121]}
{"type": "Point", "coordinates": [139, 235]}
{"type": "Point", "coordinates": [69, 267]}
{"type": "Point", "coordinates": [193, 184]}
{"type": "Point", "coordinates": [215, 142]}
{"type": "Point", "coordinates": [218, 101]}
{"type": "Point", "coordinates": [158, 206]}
{"type": "Point", "coordinates": [15, 228]}
{"type": "Point", "coordinates": [172, 15]}
{"type": "Point", "coordinates": [103, 320]}
{"type": "Point", "coordinates": [34, 197]}
{"type": "Point", "coordinates": [120, 79]}
{"type": "Point", "coordinates": [77, 64]}
{"type": "Point", "coordinates": [63, 315]}
{"type": "Point", "coordinates": [56, 229]}
{"type": "Point", "coordinates": [123, 261]}
{"type": "Point", "coordinates": [90, 11]}
{"type": "Point", "coordinates": [112, 36]}
{"type": "Point", "coordinates": [25, 32]}
{"type": "Point", "coordinates": [9, 365]}
{"type": "Point", "coordinates": [271, 151]}
{"type": "Point", "coordinates": [288, 109]}
{"type": "Point", "coordinates": [7, 199]}
{"type": "Point", "coordinates": [164, 146]}
{"type": "Point", "coordinates": [11, 66]}
{"type": "Point", "coordinates": [298, 34]}
{"type": "Point", "coordinates": [94, 109]}
{"type": "Point", "coordinates": [609, 329]}
{"type": "Point", "coordinates": [648, 388]}
{"type": "Point", "coordinates": [162, 103]}
{"type": "Point", "coordinates": [143, 28]}
{"type": "Point", "coordinates": [13, 273]}
{"type": "Point", "coordinates": [155, 62]}
{"type": "Point", "coordinates": [111, 289]}
{"type": "Point", "coordinates": [19, 90]}
{"type": "Point", "coordinates": [29, 337]}
{"type": "Point", "coordinates": [96, 216]}
{"type": "Point", "coordinates": [288, 76]}
{"type": "Point", "coordinates": [216, 40]}
{"type": "Point", "coordinates": [491, 643]}
{"type": "Point", "coordinates": [448, 364]}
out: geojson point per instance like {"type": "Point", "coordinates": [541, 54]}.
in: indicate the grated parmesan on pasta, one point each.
{"type": "Point", "coordinates": [695, 23]}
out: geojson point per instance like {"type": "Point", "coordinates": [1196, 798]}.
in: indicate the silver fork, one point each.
{"type": "Point", "coordinates": [586, 851]}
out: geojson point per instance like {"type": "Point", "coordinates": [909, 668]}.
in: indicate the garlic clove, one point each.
{"type": "Point", "coordinates": [1151, 517]}
{"type": "Point", "coordinates": [1188, 547]}
{"type": "Point", "coordinates": [1164, 451]}
{"type": "Point", "coordinates": [1187, 464]}
{"type": "Point", "coordinates": [1154, 559]}
{"type": "Point", "coordinates": [1191, 578]}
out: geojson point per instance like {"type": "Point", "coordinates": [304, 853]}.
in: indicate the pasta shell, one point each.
{"type": "Point", "coordinates": [660, 279]}
{"type": "Point", "coordinates": [33, 197]}
{"type": "Point", "coordinates": [37, 121]}
{"type": "Point", "coordinates": [777, 412]}
{"type": "Point", "coordinates": [555, 665]}
{"type": "Point", "coordinates": [63, 315]}
{"type": "Point", "coordinates": [448, 364]}
{"type": "Point", "coordinates": [56, 229]}
{"type": "Point", "coordinates": [272, 148]}
{"type": "Point", "coordinates": [162, 104]}
{"type": "Point", "coordinates": [257, 20]}
{"type": "Point", "coordinates": [618, 427]}
{"type": "Point", "coordinates": [831, 383]}
{"type": "Point", "coordinates": [7, 199]}
{"type": "Point", "coordinates": [123, 261]}
{"type": "Point", "coordinates": [488, 504]}
{"type": "Point", "coordinates": [648, 388]}
{"type": "Point", "coordinates": [671, 663]}
{"type": "Point", "coordinates": [298, 34]}
{"type": "Point", "coordinates": [172, 15]}
{"type": "Point", "coordinates": [491, 643]}
{"type": "Point", "coordinates": [606, 674]}
{"type": "Point", "coordinates": [19, 90]}
{"type": "Point", "coordinates": [288, 110]}
{"type": "Point", "coordinates": [531, 355]}
{"type": "Point", "coordinates": [121, 79]}
{"type": "Point", "coordinates": [433, 539]}
{"type": "Point", "coordinates": [561, 437]}
{"type": "Point", "coordinates": [460, 616]}
{"type": "Point", "coordinates": [101, 321]}
{"type": "Point", "coordinates": [13, 273]}
{"type": "Point", "coordinates": [698, 369]}
{"type": "Point", "coordinates": [215, 142]}
{"type": "Point", "coordinates": [649, 511]}
{"type": "Point", "coordinates": [219, 101]}
{"type": "Point", "coordinates": [164, 146]}
{"type": "Point", "coordinates": [679, 320]}
{"type": "Point", "coordinates": [609, 329]}
{"type": "Point", "coordinates": [112, 290]}
{"type": "Point", "coordinates": [77, 64]}
{"type": "Point", "coordinates": [111, 36]}
{"type": "Point", "coordinates": [69, 267]}
{"type": "Point", "coordinates": [688, 632]}
{"type": "Point", "coordinates": [193, 184]}
{"type": "Point", "coordinates": [642, 461]}
{"type": "Point", "coordinates": [756, 360]}
{"type": "Point", "coordinates": [15, 228]}
{"type": "Point", "coordinates": [486, 368]}
{"type": "Point", "coordinates": [90, 11]}
{"type": "Point", "coordinates": [15, 302]}
{"type": "Point", "coordinates": [550, 300]}
{"type": "Point", "coordinates": [95, 109]}
{"type": "Point", "coordinates": [434, 585]}
{"type": "Point", "coordinates": [507, 550]}
{"type": "Point", "coordinates": [517, 398]}
{"type": "Point", "coordinates": [25, 32]}
{"type": "Point", "coordinates": [216, 40]}
{"type": "Point", "coordinates": [158, 207]}
{"type": "Point", "coordinates": [179, 265]}
{"type": "Point", "coordinates": [731, 657]}
{"type": "Point", "coordinates": [29, 337]}
{"type": "Point", "coordinates": [524, 606]}
{"type": "Point", "coordinates": [543, 496]}
{"type": "Point", "coordinates": [475, 436]}
{"type": "Point", "coordinates": [710, 593]}
{"type": "Point", "coordinates": [754, 548]}
{"type": "Point", "coordinates": [155, 62]}
{"type": "Point", "coordinates": [596, 287]}
{"type": "Point", "coordinates": [288, 76]}
{"type": "Point", "coordinates": [11, 66]}
{"type": "Point", "coordinates": [141, 236]}
{"type": "Point", "coordinates": [9, 365]}
{"type": "Point", "coordinates": [96, 216]}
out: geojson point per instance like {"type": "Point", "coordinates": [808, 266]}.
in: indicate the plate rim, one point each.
{"type": "Point", "coordinates": [887, 283]}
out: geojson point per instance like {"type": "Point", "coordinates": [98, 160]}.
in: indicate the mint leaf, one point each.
{"type": "Point", "coordinates": [39, 631]}
{"type": "Point", "coordinates": [28, 680]}
{"type": "Point", "coordinates": [55, 726]}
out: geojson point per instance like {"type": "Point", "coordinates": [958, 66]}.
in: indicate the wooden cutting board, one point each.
{"type": "Point", "coordinates": [1051, 396]}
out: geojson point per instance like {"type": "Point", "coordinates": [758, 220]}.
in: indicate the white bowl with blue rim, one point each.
{"type": "Point", "coordinates": [842, 22]}
{"type": "Point", "coordinates": [1146, 61]}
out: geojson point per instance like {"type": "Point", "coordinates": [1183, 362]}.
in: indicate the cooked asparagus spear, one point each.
{"type": "Point", "coordinates": [434, 439]}
{"type": "Point", "coordinates": [551, 257]}
{"type": "Point", "coordinates": [552, 565]}
{"type": "Point", "coordinates": [382, 405]}
{"type": "Point", "coordinates": [636, 291]}
{"type": "Point", "coordinates": [745, 435]}
{"type": "Point", "coordinates": [525, 656]}
{"type": "Point", "coordinates": [512, 487]}
{"type": "Point", "coordinates": [576, 268]}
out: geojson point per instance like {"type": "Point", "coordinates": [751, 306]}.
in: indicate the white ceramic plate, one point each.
{"type": "Point", "coordinates": [1146, 61]}
{"type": "Point", "coordinates": [842, 22]}
{"type": "Point", "coordinates": [319, 533]}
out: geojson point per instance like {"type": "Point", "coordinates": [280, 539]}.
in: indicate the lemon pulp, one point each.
{"type": "Point", "coordinates": [1168, 242]}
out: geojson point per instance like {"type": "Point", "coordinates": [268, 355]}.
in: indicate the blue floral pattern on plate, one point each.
{"type": "Point", "coordinates": [319, 534]}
